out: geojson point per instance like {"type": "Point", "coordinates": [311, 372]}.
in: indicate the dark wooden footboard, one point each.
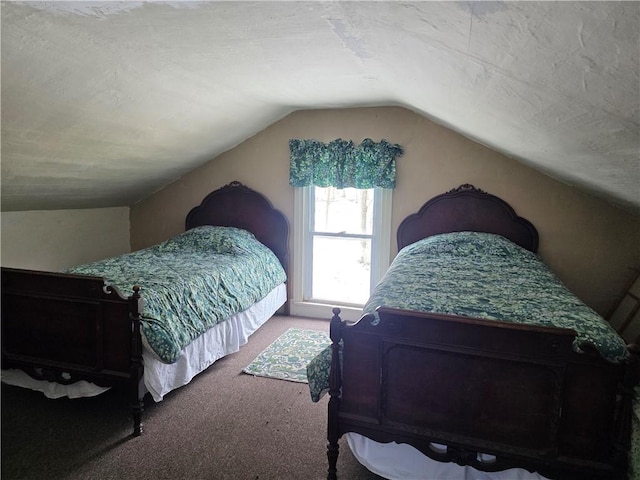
{"type": "Point", "coordinates": [65, 328]}
{"type": "Point", "coordinates": [518, 393]}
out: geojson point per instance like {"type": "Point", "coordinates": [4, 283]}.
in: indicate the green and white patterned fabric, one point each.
{"type": "Point", "coordinates": [484, 276]}
{"type": "Point", "coordinates": [287, 357]}
{"type": "Point", "coordinates": [342, 164]}
{"type": "Point", "coordinates": [192, 282]}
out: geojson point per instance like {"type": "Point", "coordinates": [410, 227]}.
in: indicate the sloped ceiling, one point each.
{"type": "Point", "coordinates": [104, 103]}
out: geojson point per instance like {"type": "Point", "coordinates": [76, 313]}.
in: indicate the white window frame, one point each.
{"type": "Point", "coordinates": [380, 254]}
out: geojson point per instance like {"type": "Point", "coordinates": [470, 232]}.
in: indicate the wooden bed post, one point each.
{"type": "Point", "coordinates": [335, 383]}
{"type": "Point", "coordinates": [136, 304]}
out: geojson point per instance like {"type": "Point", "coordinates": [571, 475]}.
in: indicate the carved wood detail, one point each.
{"type": "Point", "coordinates": [64, 327]}
{"type": "Point", "coordinates": [518, 393]}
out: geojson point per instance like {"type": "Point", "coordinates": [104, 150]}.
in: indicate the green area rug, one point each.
{"type": "Point", "coordinates": [288, 356]}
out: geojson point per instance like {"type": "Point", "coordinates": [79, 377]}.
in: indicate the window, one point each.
{"type": "Point", "coordinates": [341, 248]}
{"type": "Point", "coordinates": [341, 236]}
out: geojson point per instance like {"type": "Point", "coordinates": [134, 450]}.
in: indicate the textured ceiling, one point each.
{"type": "Point", "coordinates": [104, 103]}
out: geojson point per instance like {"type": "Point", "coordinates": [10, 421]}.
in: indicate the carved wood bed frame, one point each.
{"type": "Point", "coordinates": [517, 392]}
{"type": "Point", "coordinates": [64, 328]}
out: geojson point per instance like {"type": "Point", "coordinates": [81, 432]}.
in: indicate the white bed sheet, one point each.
{"type": "Point", "coordinates": [77, 389]}
{"type": "Point", "coordinates": [160, 378]}
{"type": "Point", "coordinates": [396, 461]}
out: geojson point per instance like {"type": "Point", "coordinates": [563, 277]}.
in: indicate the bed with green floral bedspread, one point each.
{"type": "Point", "coordinates": [192, 282]}
{"type": "Point", "coordinates": [484, 276]}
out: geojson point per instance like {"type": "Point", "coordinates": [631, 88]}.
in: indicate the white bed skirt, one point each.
{"type": "Point", "coordinates": [224, 338]}
{"type": "Point", "coordinates": [160, 378]}
{"type": "Point", "coordinates": [396, 461]}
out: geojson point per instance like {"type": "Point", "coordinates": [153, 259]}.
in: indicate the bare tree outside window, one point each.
{"type": "Point", "coordinates": [342, 232]}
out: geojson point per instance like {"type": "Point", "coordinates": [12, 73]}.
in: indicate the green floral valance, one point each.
{"type": "Point", "coordinates": [342, 164]}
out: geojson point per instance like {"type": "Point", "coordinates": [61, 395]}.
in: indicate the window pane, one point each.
{"type": "Point", "coordinates": [341, 269]}
{"type": "Point", "coordinates": [348, 210]}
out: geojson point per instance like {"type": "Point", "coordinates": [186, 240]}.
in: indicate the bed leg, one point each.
{"type": "Point", "coordinates": [136, 304]}
{"type": "Point", "coordinates": [137, 409]}
{"type": "Point", "coordinates": [137, 406]}
{"type": "Point", "coordinates": [333, 449]}
{"type": "Point", "coordinates": [335, 384]}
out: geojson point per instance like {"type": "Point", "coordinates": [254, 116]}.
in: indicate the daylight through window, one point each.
{"type": "Point", "coordinates": [341, 235]}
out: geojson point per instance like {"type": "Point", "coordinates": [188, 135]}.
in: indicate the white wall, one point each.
{"type": "Point", "coordinates": [53, 240]}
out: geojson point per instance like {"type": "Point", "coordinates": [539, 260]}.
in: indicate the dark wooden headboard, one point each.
{"type": "Point", "coordinates": [467, 208]}
{"type": "Point", "coordinates": [236, 205]}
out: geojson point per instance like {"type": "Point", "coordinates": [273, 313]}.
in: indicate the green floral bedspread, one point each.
{"type": "Point", "coordinates": [192, 282]}
{"type": "Point", "coordinates": [485, 276]}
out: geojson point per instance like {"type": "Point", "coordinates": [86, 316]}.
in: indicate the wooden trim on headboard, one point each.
{"type": "Point", "coordinates": [467, 208]}
{"type": "Point", "coordinates": [236, 205]}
